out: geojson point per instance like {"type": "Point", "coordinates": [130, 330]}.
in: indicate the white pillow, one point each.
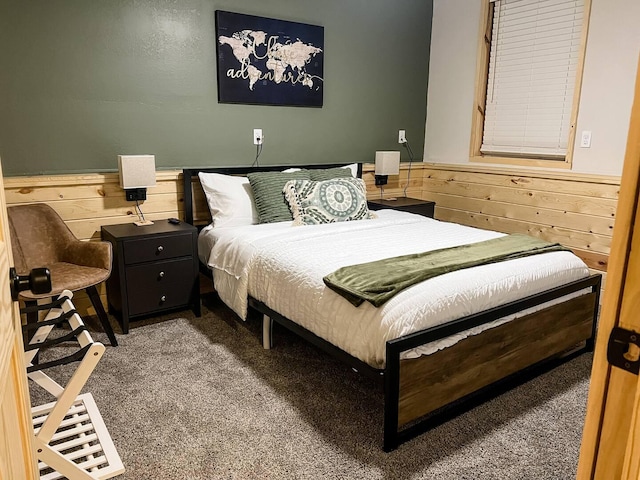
{"type": "Point", "coordinates": [354, 169]}
{"type": "Point", "coordinates": [230, 199]}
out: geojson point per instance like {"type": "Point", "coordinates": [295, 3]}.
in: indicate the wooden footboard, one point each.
{"type": "Point", "coordinates": [428, 383]}
{"type": "Point", "coordinates": [420, 386]}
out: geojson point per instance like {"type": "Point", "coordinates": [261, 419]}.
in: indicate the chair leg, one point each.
{"type": "Point", "coordinates": [32, 317]}
{"type": "Point", "coordinates": [102, 315]}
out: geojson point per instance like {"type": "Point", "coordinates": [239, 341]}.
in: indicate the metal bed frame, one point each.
{"type": "Point", "coordinates": [417, 396]}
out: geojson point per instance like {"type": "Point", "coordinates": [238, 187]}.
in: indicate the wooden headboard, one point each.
{"type": "Point", "coordinates": [191, 182]}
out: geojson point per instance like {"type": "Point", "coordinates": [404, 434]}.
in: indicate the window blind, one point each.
{"type": "Point", "coordinates": [535, 48]}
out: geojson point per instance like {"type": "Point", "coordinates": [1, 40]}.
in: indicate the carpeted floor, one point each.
{"type": "Point", "coordinates": [198, 398]}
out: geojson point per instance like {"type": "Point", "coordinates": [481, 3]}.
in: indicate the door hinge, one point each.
{"type": "Point", "coordinates": [618, 349]}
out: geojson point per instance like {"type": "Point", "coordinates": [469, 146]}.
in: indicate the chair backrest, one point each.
{"type": "Point", "coordinates": [38, 236]}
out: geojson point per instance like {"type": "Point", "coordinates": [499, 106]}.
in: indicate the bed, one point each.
{"type": "Point", "coordinates": [436, 347]}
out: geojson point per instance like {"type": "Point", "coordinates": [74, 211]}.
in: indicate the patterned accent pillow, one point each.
{"type": "Point", "coordinates": [327, 201]}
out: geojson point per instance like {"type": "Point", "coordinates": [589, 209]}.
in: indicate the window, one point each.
{"type": "Point", "coordinates": [528, 81]}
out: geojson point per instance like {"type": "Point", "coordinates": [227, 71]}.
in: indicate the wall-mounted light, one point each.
{"type": "Point", "coordinates": [387, 163]}
{"type": "Point", "coordinates": [137, 173]}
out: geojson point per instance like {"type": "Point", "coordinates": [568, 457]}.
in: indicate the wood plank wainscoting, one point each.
{"type": "Point", "coordinates": [575, 210]}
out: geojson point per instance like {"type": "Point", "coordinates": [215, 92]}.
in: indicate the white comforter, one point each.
{"type": "Point", "coordinates": [283, 267]}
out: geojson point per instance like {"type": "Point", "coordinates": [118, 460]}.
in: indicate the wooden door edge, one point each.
{"type": "Point", "coordinates": [609, 316]}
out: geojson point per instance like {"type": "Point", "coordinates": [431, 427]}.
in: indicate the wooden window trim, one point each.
{"type": "Point", "coordinates": [480, 96]}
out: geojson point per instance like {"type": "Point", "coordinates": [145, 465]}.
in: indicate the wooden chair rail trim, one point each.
{"type": "Point", "coordinates": [509, 171]}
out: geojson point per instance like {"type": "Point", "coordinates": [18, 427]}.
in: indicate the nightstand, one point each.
{"type": "Point", "coordinates": [155, 269]}
{"type": "Point", "coordinates": [411, 205]}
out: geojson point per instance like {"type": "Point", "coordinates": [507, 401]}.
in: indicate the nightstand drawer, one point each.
{"type": "Point", "coordinates": [159, 285]}
{"type": "Point", "coordinates": [157, 248]}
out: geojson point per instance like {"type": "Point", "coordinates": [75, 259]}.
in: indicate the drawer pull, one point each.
{"type": "Point", "coordinates": [161, 274]}
{"type": "Point", "coordinates": [160, 248]}
{"type": "Point", "coordinates": [163, 298]}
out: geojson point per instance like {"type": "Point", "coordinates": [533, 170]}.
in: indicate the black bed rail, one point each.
{"type": "Point", "coordinates": [353, 362]}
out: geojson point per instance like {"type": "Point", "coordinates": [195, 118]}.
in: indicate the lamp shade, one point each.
{"type": "Point", "coordinates": [387, 163]}
{"type": "Point", "coordinates": [137, 171]}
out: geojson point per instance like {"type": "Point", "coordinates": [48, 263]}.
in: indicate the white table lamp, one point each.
{"type": "Point", "coordinates": [137, 172]}
{"type": "Point", "coordinates": [387, 163]}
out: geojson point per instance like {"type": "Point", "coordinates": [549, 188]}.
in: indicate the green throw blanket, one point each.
{"type": "Point", "coordinates": [378, 281]}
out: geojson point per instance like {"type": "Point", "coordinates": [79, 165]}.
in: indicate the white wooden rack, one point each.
{"type": "Point", "coordinates": [71, 439]}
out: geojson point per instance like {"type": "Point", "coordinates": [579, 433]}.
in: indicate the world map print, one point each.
{"type": "Point", "coordinates": [268, 61]}
{"type": "Point", "coordinates": [285, 63]}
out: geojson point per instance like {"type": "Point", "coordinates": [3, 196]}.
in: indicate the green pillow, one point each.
{"type": "Point", "coordinates": [327, 201]}
{"type": "Point", "coordinates": [268, 196]}
{"type": "Point", "coordinates": [319, 174]}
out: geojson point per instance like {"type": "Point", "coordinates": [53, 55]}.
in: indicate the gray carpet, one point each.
{"type": "Point", "coordinates": [198, 398]}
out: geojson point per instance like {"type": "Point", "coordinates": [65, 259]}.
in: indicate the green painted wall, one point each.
{"type": "Point", "coordinates": [82, 81]}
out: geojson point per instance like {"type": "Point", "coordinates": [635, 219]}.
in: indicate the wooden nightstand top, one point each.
{"type": "Point", "coordinates": [405, 204]}
{"type": "Point", "coordinates": [129, 230]}
{"type": "Point", "coordinates": [399, 202]}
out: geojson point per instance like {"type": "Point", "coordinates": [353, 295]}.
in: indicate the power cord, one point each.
{"type": "Point", "coordinates": [408, 147]}
{"type": "Point", "coordinates": [258, 152]}
{"type": "Point", "coordinates": [140, 214]}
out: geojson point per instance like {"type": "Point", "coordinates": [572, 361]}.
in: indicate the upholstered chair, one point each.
{"type": "Point", "coordinates": [40, 238]}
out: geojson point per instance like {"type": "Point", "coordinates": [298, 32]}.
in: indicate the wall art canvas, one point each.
{"type": "Point", "coordinates": [266, 61]}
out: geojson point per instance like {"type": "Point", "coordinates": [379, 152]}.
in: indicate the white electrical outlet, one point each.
{"type": "Point", "coordinates": [585, 139]}
{"type": "Point", "coordinates": [402, 136]}
{"type": "Point", "coordinates": [257, 136]}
